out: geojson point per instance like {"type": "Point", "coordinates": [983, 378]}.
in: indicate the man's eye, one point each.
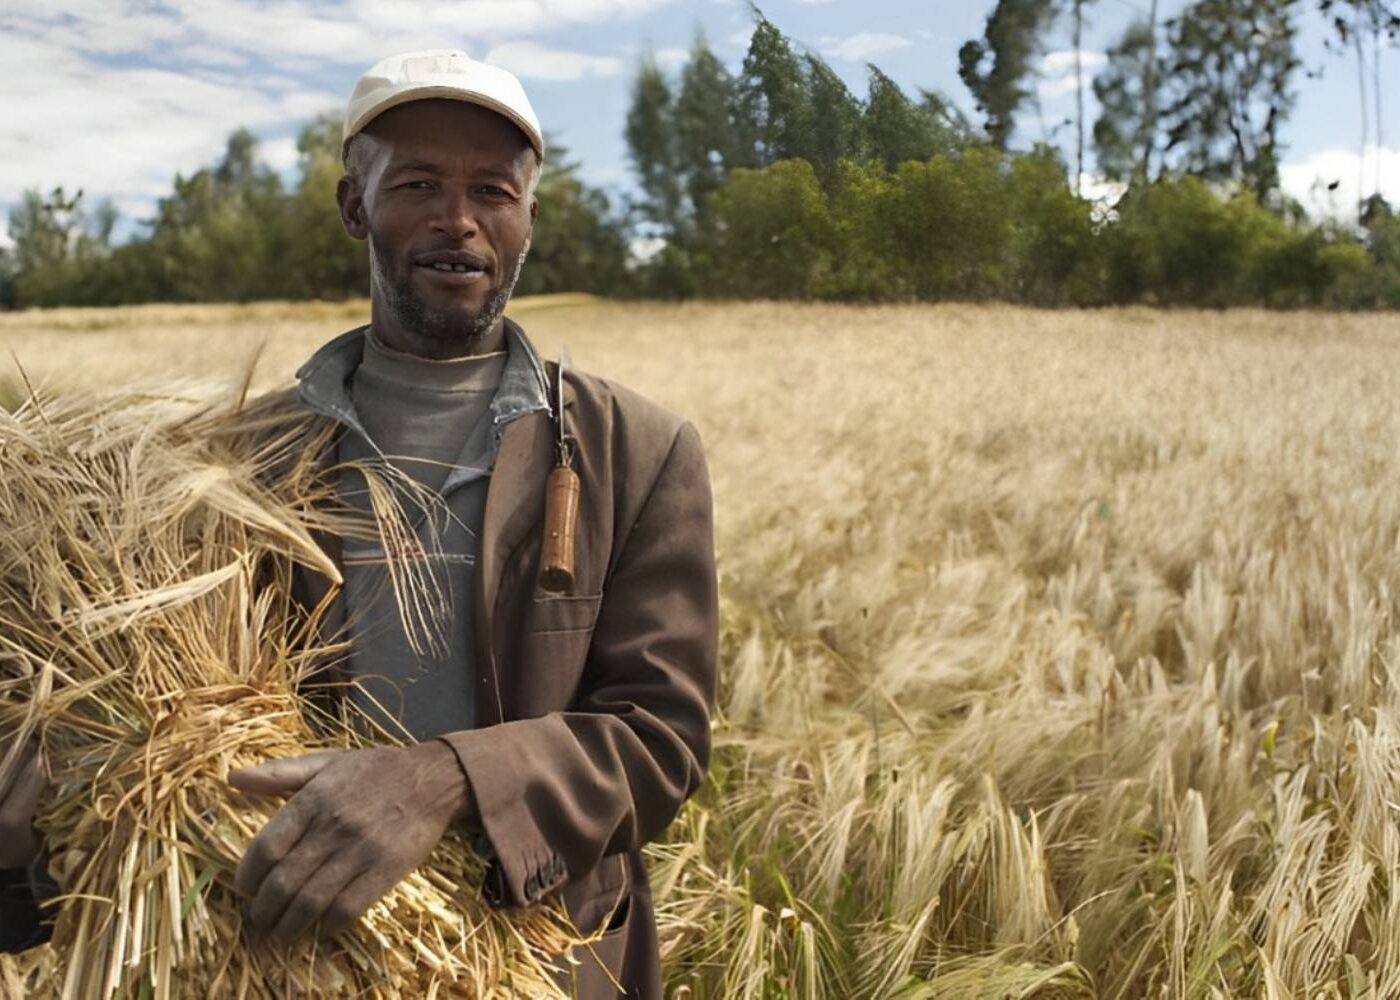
{"type": "Point", "coordinates": [416, 185]}
{"type": "Point", "coordinates": [495, 192]}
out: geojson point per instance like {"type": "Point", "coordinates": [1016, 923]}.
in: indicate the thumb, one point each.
{"type": "Point", "coordinates": [283, 776]}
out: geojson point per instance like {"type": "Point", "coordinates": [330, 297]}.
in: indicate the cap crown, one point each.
{"type": "Point", "coordinates": [442, 73]}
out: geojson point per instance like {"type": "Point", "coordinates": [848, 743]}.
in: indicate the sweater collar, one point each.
{"type": "Point", "coordinates": [324, 381]}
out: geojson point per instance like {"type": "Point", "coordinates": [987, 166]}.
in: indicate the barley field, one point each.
{"type": "Point", "coordinates": [1061, 651]}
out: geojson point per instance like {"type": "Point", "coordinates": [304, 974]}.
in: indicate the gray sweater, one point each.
{"type": "Point", "coordinates": [424, 418]}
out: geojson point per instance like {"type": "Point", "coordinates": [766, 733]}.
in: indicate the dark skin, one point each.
{"type": "Point", "coordinates": [450, 180]}
{"type": "Point", "coordinates": [448, 183]}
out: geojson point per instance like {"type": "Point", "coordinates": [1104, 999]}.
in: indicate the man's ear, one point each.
{"type": "Point", "coordinates": [534, 210]}
{"type": "Point", "coordinates": [352, 208]}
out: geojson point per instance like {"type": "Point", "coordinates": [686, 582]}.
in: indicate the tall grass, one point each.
{"type": "Point", "coordinates": [1059, 649]}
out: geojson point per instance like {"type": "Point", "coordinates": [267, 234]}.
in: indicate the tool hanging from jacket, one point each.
{"type": "Point", "coordinates": [560, 501]}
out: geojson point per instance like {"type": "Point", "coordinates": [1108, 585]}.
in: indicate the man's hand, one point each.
{"type": "Point", "coordinates": [357, 822]}
{"type": "Point", "coordinates": [20, 786]}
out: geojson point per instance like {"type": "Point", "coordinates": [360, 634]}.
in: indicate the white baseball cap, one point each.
{"type": "Point", "coordinates": [444, 73]}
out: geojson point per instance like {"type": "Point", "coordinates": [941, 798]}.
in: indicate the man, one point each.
{"type": "Point", "coordinates": [566, 729]}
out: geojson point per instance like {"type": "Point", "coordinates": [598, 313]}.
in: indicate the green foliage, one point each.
{"type": "Point", "coordinates": [771, 233]}
{"type": "Point", "coordinates": [652, 142]}
{"type": "Point", "coordinates": [1177, 242]}
{"type": "Point", "coordinates": [895, 199]}
{"type": "Point", "coordinates": [898, 130]}
{"type": "Point", "coordinates": [774, 97]}
{"type": "Point", "coordinates": [1230, 67]}
{"type": "Point", "coordinates": [235, 232]}
{"type": "Point", "coordinates": [839, 126]}
{"type": "Point", "coordinates": [710, 141]}
{"type": "Point", "coordinates": [995, 67]}
{"type": "Point", "coordinates": [1125, 136]}
{"type": "Point", "coordinates": [577, 243]}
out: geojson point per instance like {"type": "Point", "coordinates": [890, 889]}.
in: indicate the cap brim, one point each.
{"type": "Point", "coordinates": [429, 91]}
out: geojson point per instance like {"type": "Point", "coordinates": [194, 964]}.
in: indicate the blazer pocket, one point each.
{"type": "Point", "coordinates": [563, 613]}
{"type": "Point", "coordinates": [602, 893]}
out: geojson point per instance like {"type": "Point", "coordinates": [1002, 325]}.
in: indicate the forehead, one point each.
{"type": "Point", "coordinates": [445, 132]}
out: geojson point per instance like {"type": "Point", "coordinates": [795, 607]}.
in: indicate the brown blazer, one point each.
{"type": "Point", "coordinates": [595, 704]}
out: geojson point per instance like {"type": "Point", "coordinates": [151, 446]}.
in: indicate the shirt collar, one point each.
{"type": "Point", "coordinates": [324, 381]}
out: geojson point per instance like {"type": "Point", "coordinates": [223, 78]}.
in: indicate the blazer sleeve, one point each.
{"type": "Point", "coordinates": [558, 793]}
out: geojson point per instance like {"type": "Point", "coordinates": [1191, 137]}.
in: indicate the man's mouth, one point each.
{"type": "Point", "coordinates": [456, 262]}
{"type": "Point", "coordinates": [455, 268]}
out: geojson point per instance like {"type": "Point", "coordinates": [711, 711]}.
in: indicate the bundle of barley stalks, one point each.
{"type": "Point", "coordinates": [150, 642]}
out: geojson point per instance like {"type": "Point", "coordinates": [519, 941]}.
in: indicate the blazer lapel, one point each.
{"type": "Point", "coordinates": [514, 505]}
{"type": "Point", "coordinates": [514, 508]}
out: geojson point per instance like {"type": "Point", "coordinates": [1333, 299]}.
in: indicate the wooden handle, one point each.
{"type": "Point", "coordinates": [560, 520]}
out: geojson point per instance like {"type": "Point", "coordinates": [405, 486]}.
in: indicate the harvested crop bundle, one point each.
{"type": "Point", "coordinates": [150, 642]}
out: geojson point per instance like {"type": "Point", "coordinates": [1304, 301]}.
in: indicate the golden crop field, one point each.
{"type": "Point", "coordinates": [1061, 650]}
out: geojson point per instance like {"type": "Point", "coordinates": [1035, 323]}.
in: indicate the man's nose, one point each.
{"type": "Point", "coordinates": [457, 215]}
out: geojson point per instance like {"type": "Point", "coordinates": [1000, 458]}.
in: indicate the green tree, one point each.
{"type": "Point", "coordinates": [996, 66]}
{"type": "Point", "coordinates": [220, 235]}
{"type": "Point", "coordinates": [578, 245]}
{"type": "Point", "coordinates": [1126, 138]}
{"type": "Point", "coordinates": [709, 136]}
{"type": "Point", "coordinates": [57, 244]}
{"type": "Point", "coordinates": [1354, 23]}
{"type": "Point", "coordinates": [896, 128]}
{"type": "Point", "coordinates": [322, 261]}
{"type": "Point", "coordinates": [838, 126]}
{"type": "Point", "coordinates": [774, 96]}
{"type": "Point", "coordinates": [772, 233]}
{"type": "Point", "coordinates": [1230, 65]}
{"type": "Point", "coordinates": [1177, 243]}
{"type": "Point", "coordinates": [652, 146]}
{"type": "Point", "coordinates": [1057, 259]}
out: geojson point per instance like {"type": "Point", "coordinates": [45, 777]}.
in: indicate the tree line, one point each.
{"type": "Point", "coordinates": [777, 181]}
{"type": "Point", "coordinates": [235, 232]}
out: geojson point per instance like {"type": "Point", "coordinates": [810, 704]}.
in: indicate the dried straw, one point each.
{"type": "Point", "coordinates": [149, 642]}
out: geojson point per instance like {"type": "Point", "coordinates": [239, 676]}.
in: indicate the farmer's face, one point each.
{"type": "Point", "coordinates": [443, 195]}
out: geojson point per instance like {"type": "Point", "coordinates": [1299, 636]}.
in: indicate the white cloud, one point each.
{"type": "Point", "coordinates": [1057, 72]}
{"type": "Point", "coordinates": [644, 248]}
{"type": "Point", "coordinates": [339, 32]}
{"type": "Point", "coordinates": [125, 130]}
{"type": "Point", "coordinates": [116, 96]}
{"type": "Point", "coordinates": [212, 55]}
{"type": "Point", "coordinates": [862, 47]}
{"type": "Point", "coordinates": [1062, 61]}
{"type": "Point", "coordinates": [535, 62]}
{"type": "Point", "coordinates": [279, 154]}
{"type": "Point", "coordinates": [1309, 180]}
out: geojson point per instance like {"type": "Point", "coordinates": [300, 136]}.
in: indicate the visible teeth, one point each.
{"type": "Point", "coordinates": [459, 268]}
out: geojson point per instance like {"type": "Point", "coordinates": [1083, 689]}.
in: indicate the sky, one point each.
{"type": "Point", "coordinates": [116, 96]}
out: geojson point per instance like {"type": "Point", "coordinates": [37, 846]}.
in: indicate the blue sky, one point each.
{"type": "Point", "coordinates": [115, 96]}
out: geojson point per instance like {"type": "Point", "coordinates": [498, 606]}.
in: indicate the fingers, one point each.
{"type": "Point", "coordinates": [354, 899]}
{"type": "Point", "coordinates": [273, 843]}
{"type": "Point", "coordinates": [317, 894]}
{"type": "Point", "coordinates": [281, 777]}
{"type": "Point", "coordinates": [284, 883]}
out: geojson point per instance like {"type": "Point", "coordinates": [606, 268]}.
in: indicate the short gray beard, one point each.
{"type": "Point", "coordinates": [413, 315]}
